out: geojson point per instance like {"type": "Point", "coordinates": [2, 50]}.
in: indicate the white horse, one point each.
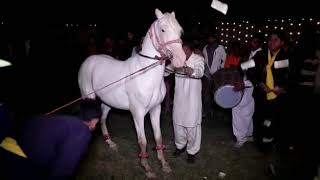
{"type": "Point", "coordinates": [141, 93]}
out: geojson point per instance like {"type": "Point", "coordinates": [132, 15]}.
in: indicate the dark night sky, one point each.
{"type": "Point", "coordinates": [125, 13]}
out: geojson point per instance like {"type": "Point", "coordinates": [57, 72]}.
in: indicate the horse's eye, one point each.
{"type": "Point", "coordinates": [162, 30]}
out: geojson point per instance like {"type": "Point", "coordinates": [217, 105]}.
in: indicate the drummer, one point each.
{"type": "Point", "coordinates": [242, 124]}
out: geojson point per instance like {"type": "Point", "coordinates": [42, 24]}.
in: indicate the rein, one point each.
{"type": "Point", "coordinates": [184, 75]}
{"type": "Point", "coordinates": [161, 59]}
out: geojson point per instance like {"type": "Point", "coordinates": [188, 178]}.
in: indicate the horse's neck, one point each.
{"type": "Point", "coordinates": [149, 50]}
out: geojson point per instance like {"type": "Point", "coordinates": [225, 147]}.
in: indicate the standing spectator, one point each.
{"type": "Point", "coordinates": [274, 83]}
{"type": "Point", "coordinates": [254, 61]}
{"type": "Point", "coordinates": [214, 58]}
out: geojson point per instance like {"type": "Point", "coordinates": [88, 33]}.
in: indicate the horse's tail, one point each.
{"type": "Point", "coordinates": [85, 78]}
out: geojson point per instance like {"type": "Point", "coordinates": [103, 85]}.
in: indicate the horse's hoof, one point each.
{"type": "Point", "coordinates": [166, 168]}
{"type": "Point", "coordinates": [113, 147]}
{"type": "Point", "coordinates": [151, 175]}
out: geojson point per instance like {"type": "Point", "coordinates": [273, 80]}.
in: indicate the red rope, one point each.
{"type": "Point", "coordinates": [78, 99]}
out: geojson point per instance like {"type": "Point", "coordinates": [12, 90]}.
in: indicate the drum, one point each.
{"type": "Point", "coordinates": [223, 88]}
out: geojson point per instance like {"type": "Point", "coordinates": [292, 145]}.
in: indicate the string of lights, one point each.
{"type": "Point", "coordinates": [243, 30]}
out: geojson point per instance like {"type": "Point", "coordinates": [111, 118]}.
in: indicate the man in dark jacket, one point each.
{"type": "Point", "coordinates": [274, 83]}
{"type": "Point", "coordinates": [49, 147]}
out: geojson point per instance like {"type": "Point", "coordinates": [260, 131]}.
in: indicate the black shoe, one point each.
{"type": "Point", "coordinates": [191, 159]}
{"type": "Point", "coordinates": [178, 152]}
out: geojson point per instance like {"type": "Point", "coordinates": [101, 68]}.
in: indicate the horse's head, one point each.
{"type": "Point", "coordinates": [165, 33]}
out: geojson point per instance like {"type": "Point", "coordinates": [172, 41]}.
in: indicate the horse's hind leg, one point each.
{"type": "Point", "coordinates": [106, 136]}
{"type": "Point", "coordinates": [155, 121]}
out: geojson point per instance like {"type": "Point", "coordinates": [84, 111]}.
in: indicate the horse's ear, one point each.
{"type": "Point", "coordinates": [158, 13]}
{"type": "Point", "coordinates": [173, 14]}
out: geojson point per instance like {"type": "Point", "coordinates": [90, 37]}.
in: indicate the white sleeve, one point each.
{"type": "Point", "coordinates": [198, 69]}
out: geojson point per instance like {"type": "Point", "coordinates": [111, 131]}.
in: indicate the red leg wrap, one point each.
{"type": "Point", "coordinates": [106, 137]}
{"type": "Point", "coordinates": [143, 155]}
{"type": "Point", "coordinates": [160, 147]}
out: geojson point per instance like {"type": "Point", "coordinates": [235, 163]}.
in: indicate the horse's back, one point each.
{"type": "Point", "coordinates": [98, 64]}
{"type": "Point", "coordinates": [103, 74]}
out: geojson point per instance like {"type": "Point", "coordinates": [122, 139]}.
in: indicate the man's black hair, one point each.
{"type": "Point", "coordinates": [89, 109]}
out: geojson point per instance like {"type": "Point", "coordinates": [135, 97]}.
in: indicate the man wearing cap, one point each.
{"type": "Point", "coordinates": [49, 147]}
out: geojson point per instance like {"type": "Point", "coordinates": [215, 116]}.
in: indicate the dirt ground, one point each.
{"type": "Point", "coordinates": [217, 154]}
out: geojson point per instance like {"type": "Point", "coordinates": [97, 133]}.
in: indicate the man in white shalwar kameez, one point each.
{"type": "Point", "coordinates": [242, 124]}
{"type": "Point", "coordinates": [187, 105]}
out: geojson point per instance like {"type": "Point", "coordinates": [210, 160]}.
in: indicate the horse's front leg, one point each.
{"type": "Point", "coordinates": [155, 121]}
{"type": "Point", "coordinates": [138, 117]}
